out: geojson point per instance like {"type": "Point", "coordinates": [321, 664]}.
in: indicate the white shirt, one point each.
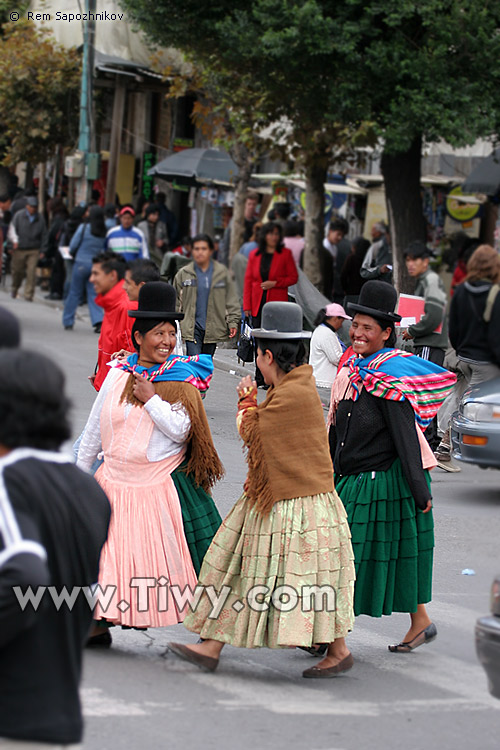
{"type": "Point", "coordinates": [324, 356]}
{"type": "Point", "coordinates": [170, 431]}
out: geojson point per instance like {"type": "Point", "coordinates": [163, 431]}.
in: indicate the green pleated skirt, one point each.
{"type": "Point", "coordinates": [200, 517]}
{"type": "Point", "coordinates": [393, 542]}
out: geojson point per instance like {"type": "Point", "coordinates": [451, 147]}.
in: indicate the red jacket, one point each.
{"type": "Point", "coordinates": [283, 270]}
{"type": "Point", "coordinates": [116, 331]}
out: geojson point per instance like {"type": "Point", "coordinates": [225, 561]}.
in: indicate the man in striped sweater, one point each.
{"type": "Point", "coordinates": [127, 240]}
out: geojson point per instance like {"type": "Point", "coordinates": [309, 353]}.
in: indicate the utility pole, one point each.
{"type": "Point", "coordinates": [86, 93]}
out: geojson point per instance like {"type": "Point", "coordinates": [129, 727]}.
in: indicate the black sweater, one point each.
{"type": "Point", "coordinates": [53, 523]}
{"type": "Point", "coordinates": [472, 338]}
{"type": "Point", "coordinates": [371, 433]}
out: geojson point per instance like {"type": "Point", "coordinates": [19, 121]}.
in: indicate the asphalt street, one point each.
{"type": "Point", "coordinates": [137, 696]}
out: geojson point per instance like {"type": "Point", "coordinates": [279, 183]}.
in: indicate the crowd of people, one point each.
{"type": "Point", "coordinates": [337, 525]}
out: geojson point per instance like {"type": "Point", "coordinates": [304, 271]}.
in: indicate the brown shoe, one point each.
{"type": "Point", "coordinates": [186, 653]}
{"type": "Point", "coordinates": [342, 666]}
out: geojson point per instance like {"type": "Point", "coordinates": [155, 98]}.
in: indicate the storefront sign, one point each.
{"type": "Point", "coordinates": [148, 159]}
{"type": "Point", "coordinates": [458, 210]}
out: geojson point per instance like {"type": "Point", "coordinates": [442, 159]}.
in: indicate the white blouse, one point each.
{"type": "Point", "coordinates": [324, 355]}
{"type": "Point", "coordinates": [170, 431]}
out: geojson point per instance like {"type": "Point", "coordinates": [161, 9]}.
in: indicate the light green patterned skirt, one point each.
{"type": "Point", "coordinates": [269, 568]}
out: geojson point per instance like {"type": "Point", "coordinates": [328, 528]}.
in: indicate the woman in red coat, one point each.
{"type": "Point", "coordinates": [270, 271]}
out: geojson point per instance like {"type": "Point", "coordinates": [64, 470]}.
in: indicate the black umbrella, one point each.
{"type": "Point", "coordinates": [485, 178]}
{"type": "Point", "coordinates": [197, 165]}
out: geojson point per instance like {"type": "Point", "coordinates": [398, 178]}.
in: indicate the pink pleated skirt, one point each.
{"type": "Point", "coordinates": [146, 551]}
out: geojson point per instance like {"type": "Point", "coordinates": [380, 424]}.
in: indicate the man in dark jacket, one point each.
{"type": "Point", "coordinates": [430, 334]}
{"type": "Point", "coordinates": [53, 523]}
{"type": "Point", "coordinates": [29, 240]}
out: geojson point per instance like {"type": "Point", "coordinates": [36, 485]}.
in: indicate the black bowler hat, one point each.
{"type": "Point", "coordinates": [377, 299]}
{"type": "Point", "coordinates": [157, 301]}
{"type": "Point", "coordinates": [281, 320]}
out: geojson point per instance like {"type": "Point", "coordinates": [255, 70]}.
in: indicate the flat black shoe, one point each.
{"type": "Point", "coordinates": [425, 636]}
{"type": "Point", "coordinates": [103, 639]}
{"type": "Point", "coordinates": [97, 328]}
{"type": "Point", "coordinates": [319, 650]}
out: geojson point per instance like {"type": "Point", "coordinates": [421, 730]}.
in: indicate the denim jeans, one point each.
{"type": "Point", "coordinates": [80, 280]}
{"type": "Point", "coordinates": [198, 346]}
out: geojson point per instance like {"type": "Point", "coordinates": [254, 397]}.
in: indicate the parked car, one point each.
{"type": "Point", "coordinates": [488, 640]}
{"type": "Point", "coordinates": [475, 427]}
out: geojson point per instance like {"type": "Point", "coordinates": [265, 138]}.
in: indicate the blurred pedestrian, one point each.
{"type": "Point", "coordinates": [381, 399]}
{"type": "Point", "coordinates": [249, 217]}
{"type": "Point", "coordinates": [207, 297]}
{"type": "Point", "coordinates": [430, 333]}
{"type": "Point", "coordinates": [155, 232]}
{"type": "Point", "coordinates": [378, 259]}
{"type": "Point", "coordinates": [107, 276]}
{"type": "Point", "coordinates": [350, 276]}
{"type": "Point", "coordinates": [76, 217]}
{"type": "Point", "coordinates": [326, 347]}
{"type": "Point", "coordinates": [86, 243]}
{"type": "Point", "coordinates": [127, 240]}
{"type": "Point", "coordinates": [334, 252]}
{"type": "Point", "coordinates": [29, 244]}
{"type": "Point", "coordinates": [54, 521]}
{"type": "Point", "coordinates": [270, 271]}
{"type": "Point", "coordinates": [168, 218]}
{"type": "Point", "coordinates": [110, 215]}
{"type": "Point", "coordinates": [288, 532]}
{"type": "Point", "coordinates": [59, 216]}
{"type": "Point", "coordinates": [474, 332]}
{"type": "Point", "coordinates": [293, 239]}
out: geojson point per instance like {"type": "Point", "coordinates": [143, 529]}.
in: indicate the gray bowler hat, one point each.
{"type": "Point", "coordinates": [281, 320]}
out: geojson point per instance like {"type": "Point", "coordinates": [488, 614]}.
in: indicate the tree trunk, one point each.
{"type": "Point", "coordinates": [314, 230]}
{"type": "Point", "coordinates": [41, 187]}
{"type": "Point", "coordinates": [245, 163]}
{"type": "Point", "coordinates": [4, 180]}
{"type": "Point", "coordinates": [401, 173]}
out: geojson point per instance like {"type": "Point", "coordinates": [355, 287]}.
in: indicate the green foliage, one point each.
{"type": "Point", "coordinates": [412, 68]}
{"type": "Point", "coordinates": [39, 85]}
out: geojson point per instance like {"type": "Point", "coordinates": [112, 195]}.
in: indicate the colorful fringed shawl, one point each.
{"type": "Point", "coordinates": [398, 375]}
{"type": "Point", "coordinates": [182, 380]}
{"type": "Point", "coordinates": [197, 370]}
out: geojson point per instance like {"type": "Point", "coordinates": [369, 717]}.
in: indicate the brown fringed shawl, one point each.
{"type": "Point", "coordinates": [288, 453]}
{"type": "Point", "coordinates": [202, 459]}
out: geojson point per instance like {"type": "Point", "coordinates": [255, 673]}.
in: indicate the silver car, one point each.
{"type": "Point", "coordinates": [475, 427]}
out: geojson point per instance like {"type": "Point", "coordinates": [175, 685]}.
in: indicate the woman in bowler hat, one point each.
{"type": "Point", "coordinates": [288, 534]}
{"type": "Point", "coordinates": [160, 462]}
{"type": "Point", "coordinates": [381, 400]}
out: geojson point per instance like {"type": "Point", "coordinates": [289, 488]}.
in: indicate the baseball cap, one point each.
{"type": "Point", "coordinates": [127, 210]}
{"type": "Point", "coordinates": [32, 201]}
{"type": "Point", "coordinates": [336, 310]}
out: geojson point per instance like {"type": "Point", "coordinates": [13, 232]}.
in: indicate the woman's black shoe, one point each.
{"type": "Point", "coordinates": [319, 650]}
{"type": "Point", "coordinates": [97, 328]}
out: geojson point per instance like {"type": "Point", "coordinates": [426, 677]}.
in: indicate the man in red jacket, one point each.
{"type": "Point", "coordinates": [107, 276]}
